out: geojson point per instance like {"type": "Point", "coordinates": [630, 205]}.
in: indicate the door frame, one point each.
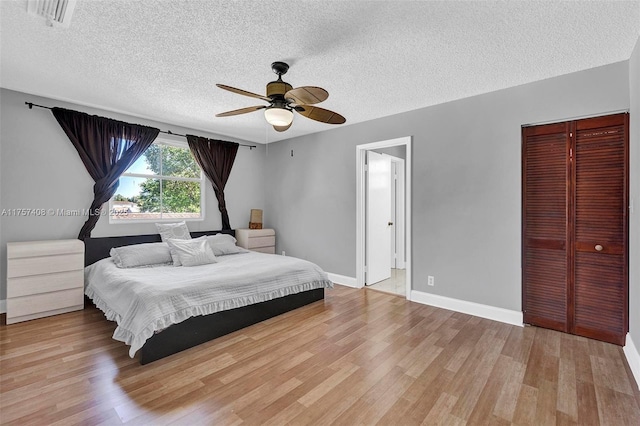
{"type": "Point", "coordinates": [398, 193]}
{"type": "Point", "coordinates": [361, 153]}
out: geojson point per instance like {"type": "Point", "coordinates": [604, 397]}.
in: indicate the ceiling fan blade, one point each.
{"type": "Point", "coordinates": [282, 128]}
{"type": "Point", "coordinates": [308, 95]}
{"type": "Point", "coordinates": [243, 92]}
{"type": "Point", "coordinates": [320, 114]}
{"type": "Point", "coordinates": [241, 111]}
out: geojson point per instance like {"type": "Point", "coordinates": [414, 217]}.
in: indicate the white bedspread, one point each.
{"type": "Point", "coordinates": [144, 300]}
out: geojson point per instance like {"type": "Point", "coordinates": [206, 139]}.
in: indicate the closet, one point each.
{"type": "Point", "coordinates": [575, 227]}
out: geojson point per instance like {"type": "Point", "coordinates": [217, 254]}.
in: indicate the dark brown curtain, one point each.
{"type": "Point", "coordinates": [107, 148]}
{"type": "Point", "coordinates": [216, 160]}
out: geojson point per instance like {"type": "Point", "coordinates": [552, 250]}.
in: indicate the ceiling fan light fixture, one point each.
{"type": "Point", "coordinates": [278, 116]}
{"type": "Point", "coordinates": [283, 100]}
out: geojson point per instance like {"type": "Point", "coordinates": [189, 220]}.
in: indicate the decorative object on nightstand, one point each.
{"type": "Point", "coordinates": [44, 278]}
{"type": "Point", "coordinates": [262, 240]}
{"type": "Point", "coordinates": [255, 222]}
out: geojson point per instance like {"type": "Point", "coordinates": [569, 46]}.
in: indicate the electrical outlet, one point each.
{"type": "Point", "coordinates": [431, 280]}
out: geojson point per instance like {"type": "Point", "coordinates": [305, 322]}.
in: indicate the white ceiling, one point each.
{"type": "Point", "coordinates": [162, 59]}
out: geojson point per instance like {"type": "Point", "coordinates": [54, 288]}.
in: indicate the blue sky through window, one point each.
{"type": "Point", "coordinates": [130, 186]}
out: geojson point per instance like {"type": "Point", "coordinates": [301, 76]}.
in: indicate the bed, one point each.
{"type": "Point", "coordinates": [202, 307]}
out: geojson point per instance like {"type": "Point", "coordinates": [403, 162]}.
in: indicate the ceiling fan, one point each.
{"type": "Point", "coordinates": [284, 99]}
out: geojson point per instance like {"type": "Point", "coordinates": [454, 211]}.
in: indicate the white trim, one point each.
{"type": "Point", "coordinates": [506, 316]}
{"type": "Point", "coordinates": [633, 359]}
{"type": "Point", "coordinates": [343, 280]}
{"type": "Point", "coordinates": [361, 151]}
{"type": "Point", "coordinates": [3, 306]}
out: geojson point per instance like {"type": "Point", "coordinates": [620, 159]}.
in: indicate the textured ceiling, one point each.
{"type": "Point", "coordinates": [162, 59]}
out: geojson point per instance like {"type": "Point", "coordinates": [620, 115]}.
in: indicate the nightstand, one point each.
{"type": "Point", "coordinates": [44, 278]}
{"type": "Point", "coordinates": [262, 240]}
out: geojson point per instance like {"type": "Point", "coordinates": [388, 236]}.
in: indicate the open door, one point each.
{"type": "Point", "coordinates": [378, 215]}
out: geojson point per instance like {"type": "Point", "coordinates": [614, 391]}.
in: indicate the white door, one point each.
{"type": "Point", "coordinates": [392, 215]}
{"type": "Point", "coordinates": [378, 213]}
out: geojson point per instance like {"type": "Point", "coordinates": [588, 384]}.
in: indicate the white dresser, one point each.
{"type": "Point", "coordinates": [262, 240]}
{"type": "Point", "coordinates": [44, 278]}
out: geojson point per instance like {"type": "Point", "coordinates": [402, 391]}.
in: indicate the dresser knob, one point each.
{"type": "Point", "coordinates": [598, 247]}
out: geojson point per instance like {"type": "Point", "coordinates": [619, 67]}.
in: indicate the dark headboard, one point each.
{"type": "Point", "coordinates": [98, 248]}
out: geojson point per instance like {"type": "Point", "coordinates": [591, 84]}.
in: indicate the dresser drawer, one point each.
{"type": "Point", "coordinates": [44, 304]}
{"type": "Point", "coordinates": [27, 266]}
{"type": "Point", "coordinates": [270, 250]}
{"type": "Point", "coordinates": [254, 233]}
{"type": "Point", "coordinates": [43, 248]}
{"type": "Point", "coordinates": [257, 242]}
{"type": "Point", "coordinates": [27, 285]}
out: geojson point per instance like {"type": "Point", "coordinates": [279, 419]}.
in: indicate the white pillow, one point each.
{"type": "Point", "coordinates": [176, 231]}
{"type": "Point", "coordinates": [192, 252]}
{"type": "Point", "coordinates": [174, 253]}
{"type": "Point", "coordinates": [136, 255]}
{"type": "Point", "coordinates": [222, 244]}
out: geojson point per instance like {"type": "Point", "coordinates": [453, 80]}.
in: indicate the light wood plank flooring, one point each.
{"type": "Point", "coordinates": [358, 357]}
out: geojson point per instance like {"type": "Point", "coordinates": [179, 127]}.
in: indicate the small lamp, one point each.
{"type": "Point", "coordinates": [256, 219]}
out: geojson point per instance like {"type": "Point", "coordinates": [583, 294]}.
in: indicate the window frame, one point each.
{"type": "Point", "coordinates": [161, 177]}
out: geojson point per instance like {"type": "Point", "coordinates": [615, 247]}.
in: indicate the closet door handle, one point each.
{"type": "Point", "coordinates": [598, 247]}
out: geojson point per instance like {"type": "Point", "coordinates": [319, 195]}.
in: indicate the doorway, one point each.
{"type": "Point", "coordinates": [383, 233]}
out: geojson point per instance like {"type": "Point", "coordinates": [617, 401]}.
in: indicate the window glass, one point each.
{"type": "Point", "coordinates": [165, 183]}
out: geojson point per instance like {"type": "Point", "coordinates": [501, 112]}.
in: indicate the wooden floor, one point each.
{"type": "Point", "coordinates": [359, 357]}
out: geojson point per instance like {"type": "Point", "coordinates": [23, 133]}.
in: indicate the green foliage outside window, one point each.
{"type": "Point", "coordinates": [166, 195]}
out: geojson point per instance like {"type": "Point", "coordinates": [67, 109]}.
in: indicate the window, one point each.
{"type": "Point", "coordinates": [165, 183]}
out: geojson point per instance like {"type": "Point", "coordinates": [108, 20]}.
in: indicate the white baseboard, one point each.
{"type": "Point", "coordinates": [476, 309]}
{"type": "Point", "coordinates": [3, 306]}
{"type": "Point", "coordinates": [343, 280]}
{"type": "Point", "coordinates": [633, 358]}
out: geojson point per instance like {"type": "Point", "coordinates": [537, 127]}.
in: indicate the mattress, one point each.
{"type": "Point", "coordinates": [143, 301]}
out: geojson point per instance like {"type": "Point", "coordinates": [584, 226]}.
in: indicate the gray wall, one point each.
{"type": "Point", "coordinates": [466, 183]}
{"type": "Point", "coordinates": [40, 168]}
{"type": "Point", "coordinates": [634, 189]}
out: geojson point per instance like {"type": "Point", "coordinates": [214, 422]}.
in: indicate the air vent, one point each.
{"type": "Point", "coordinates": [56, 12]}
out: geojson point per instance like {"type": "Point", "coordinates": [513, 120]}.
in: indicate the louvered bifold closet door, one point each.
{"type": "Point", "coordinates": [545, 175]}
{"type": "Point", "coordinates": [600, 223]}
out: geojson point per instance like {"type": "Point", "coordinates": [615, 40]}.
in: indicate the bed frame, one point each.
{"type": "Point", "coordinates": [200, 329]}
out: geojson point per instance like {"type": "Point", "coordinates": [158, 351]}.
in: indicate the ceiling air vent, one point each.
{"type": "Point", "coordinates": [56, 12]}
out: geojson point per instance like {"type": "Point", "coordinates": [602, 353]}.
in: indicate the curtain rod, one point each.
{"type": "Point", "coordinates": [168, 132]}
